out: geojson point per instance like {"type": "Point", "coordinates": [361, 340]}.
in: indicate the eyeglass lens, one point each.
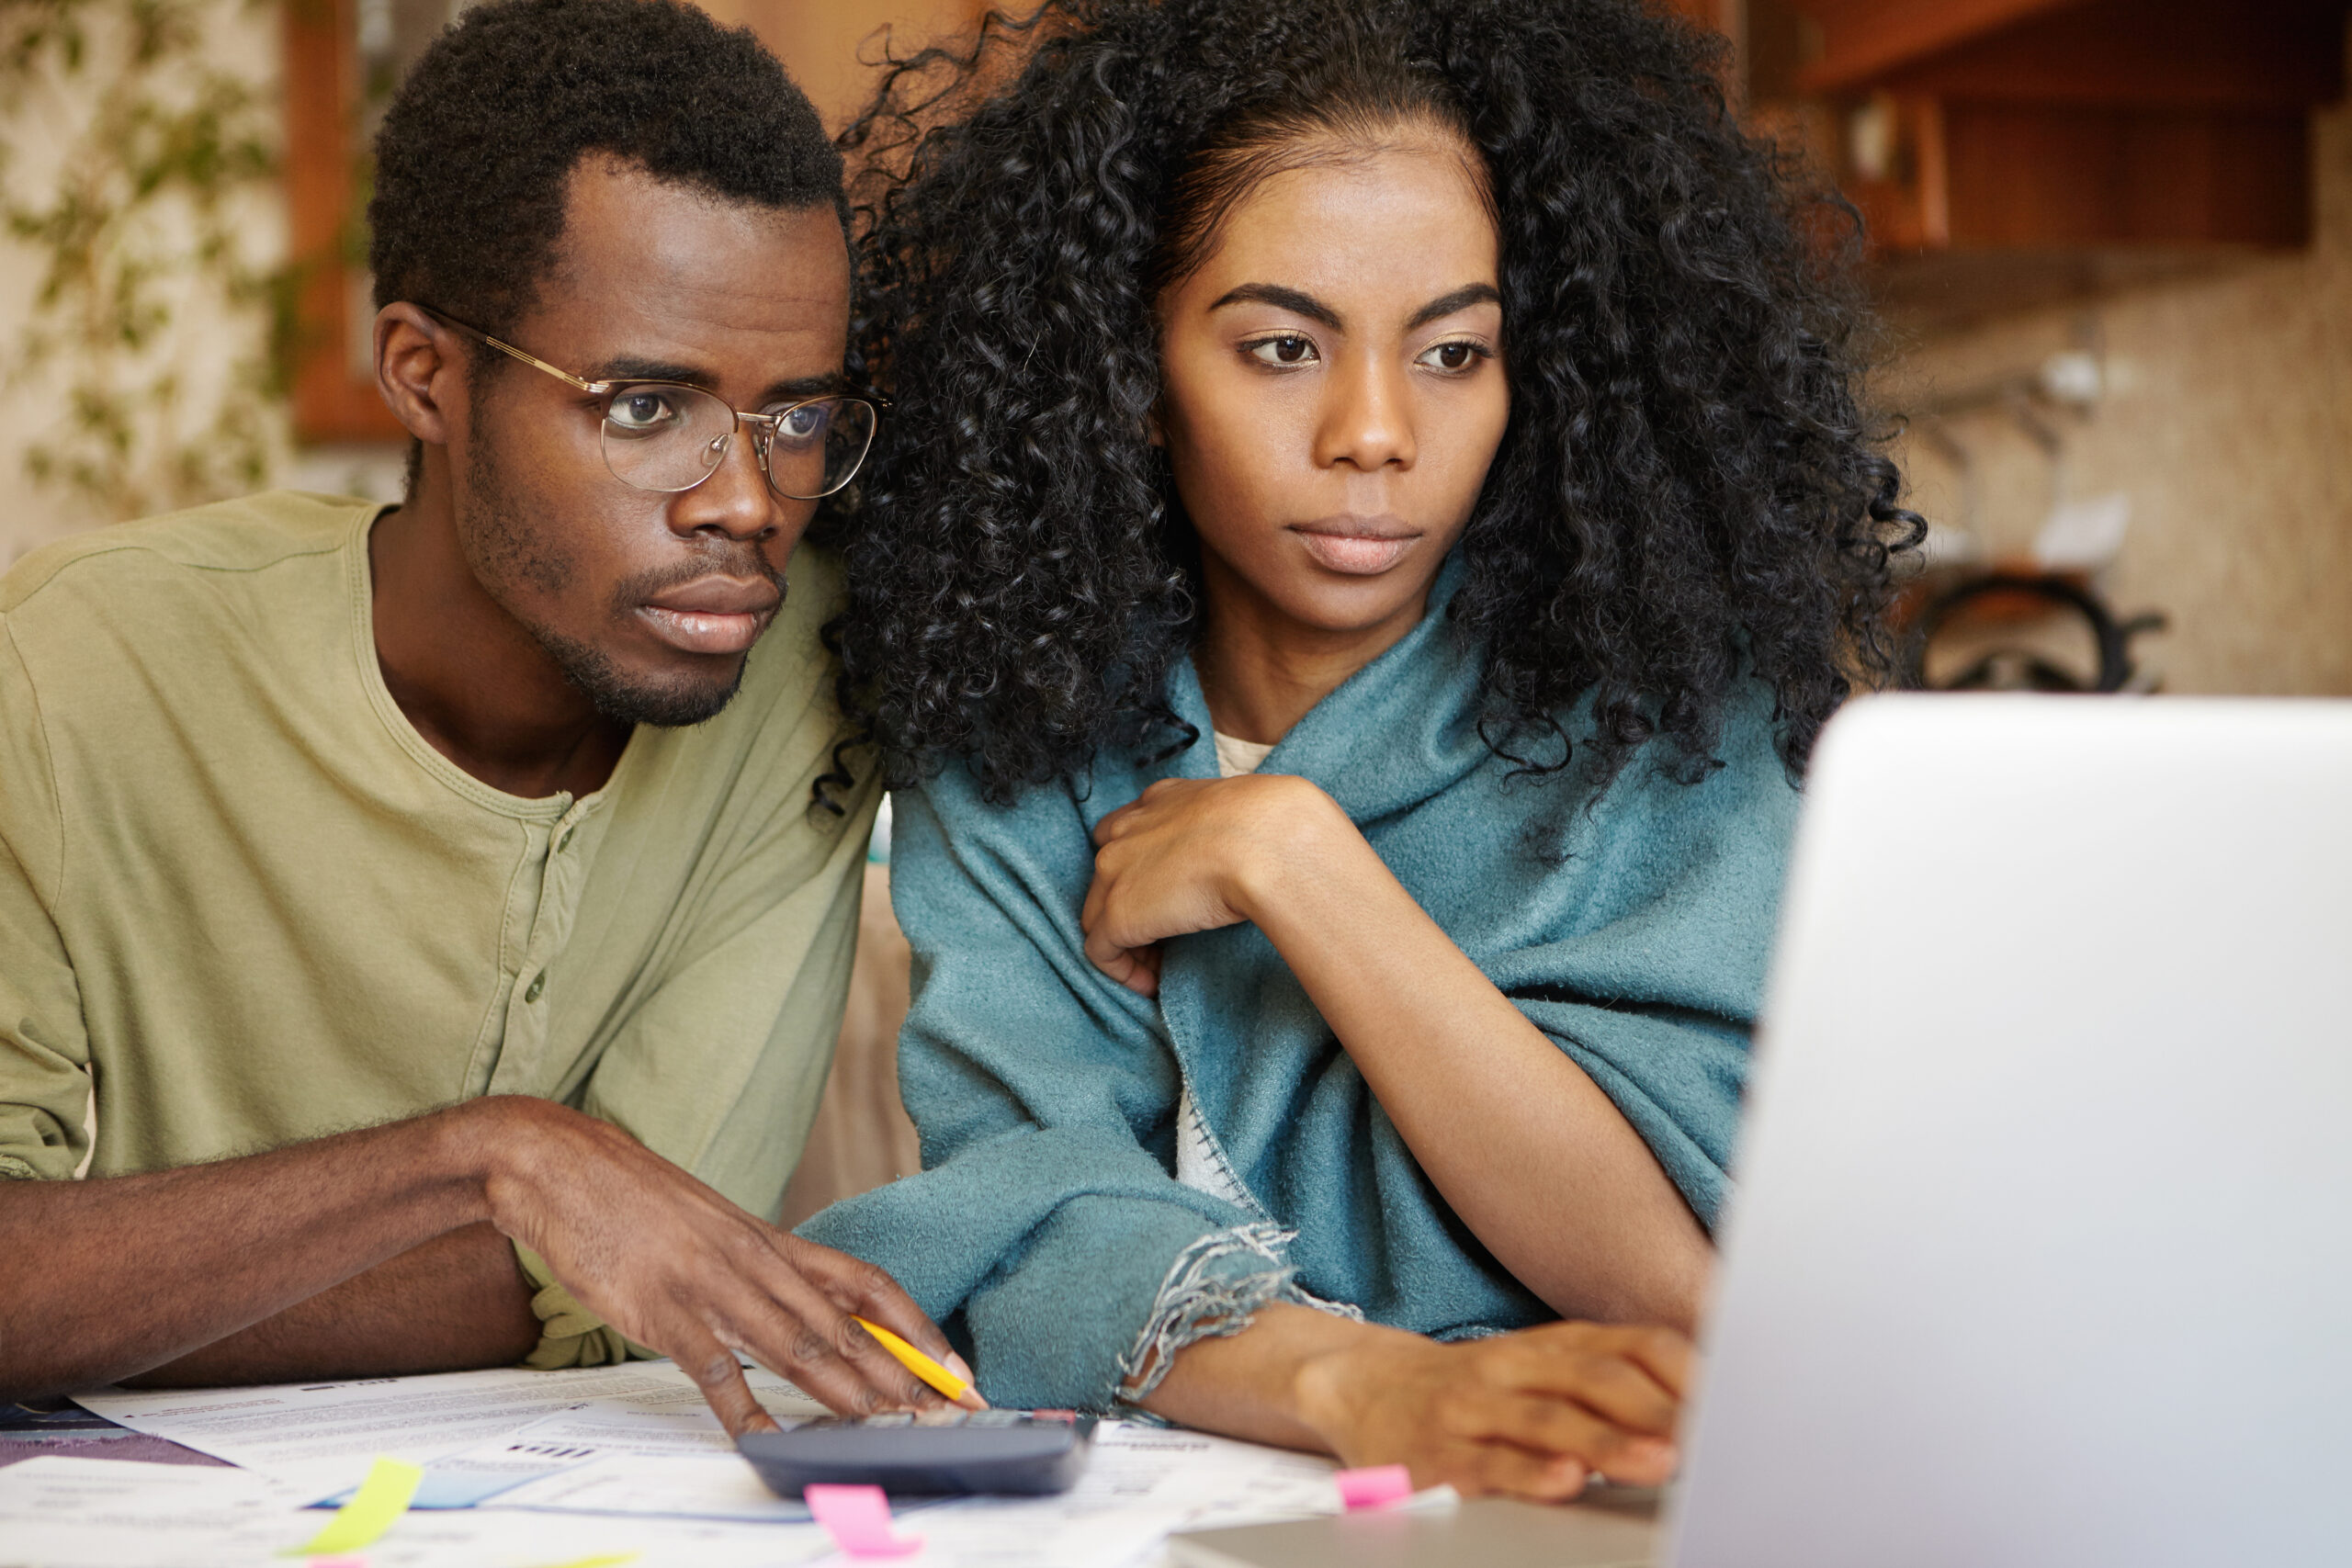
{"type": "Point", "coordinates": [672, 438]}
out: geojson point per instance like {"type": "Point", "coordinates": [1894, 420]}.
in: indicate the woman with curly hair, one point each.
{"type": "Point", "coordinates": [1377, 515]}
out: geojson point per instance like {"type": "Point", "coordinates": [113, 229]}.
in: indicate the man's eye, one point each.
{"type": "Point", "coordinates": [642, 409]}
{"type": "Point", "coordinates": [1287, 349]}
{"type": "Point", "coordinates": [1456, 355]}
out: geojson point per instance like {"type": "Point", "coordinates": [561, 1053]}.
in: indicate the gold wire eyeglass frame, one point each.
{"type": "Point", "coordinates": [764, 425]}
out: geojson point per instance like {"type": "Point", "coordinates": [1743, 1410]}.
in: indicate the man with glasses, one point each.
{"type": "Point", "coordinates": [426, 928]}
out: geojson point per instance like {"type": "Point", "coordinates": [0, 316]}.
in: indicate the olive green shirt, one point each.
{"type": "Point", "coordinates": [244, 903]}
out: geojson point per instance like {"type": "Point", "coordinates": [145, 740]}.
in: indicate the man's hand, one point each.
{"type": "Point", "coordinates": [1529, 1415]}
{"type": "Point", "coordinates": [673, 1264]}
{"type": "Point", "coordinates": [1194, 854]}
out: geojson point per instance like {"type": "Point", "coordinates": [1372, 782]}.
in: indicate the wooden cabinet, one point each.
{"type": "Point", "coordinates": [2005, 148]}
{"type": "Point", "coordinates": [329, 94]}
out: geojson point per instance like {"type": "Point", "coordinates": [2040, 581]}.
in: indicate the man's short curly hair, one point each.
{"type": "Point", "coordinates": [478, 143]}
{"type": "Point", "coordinates": [1690, 493]}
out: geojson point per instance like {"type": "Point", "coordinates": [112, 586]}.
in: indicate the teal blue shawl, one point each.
{"type": "Point", "coordinates": [1048, 1232]}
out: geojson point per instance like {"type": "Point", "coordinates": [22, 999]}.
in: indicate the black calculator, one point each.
{"type": "Point", "coordinates": [951, 1451]}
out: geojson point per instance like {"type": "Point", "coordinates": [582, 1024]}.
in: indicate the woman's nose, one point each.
{"type": "Point", "coordinates": [1368, 422]}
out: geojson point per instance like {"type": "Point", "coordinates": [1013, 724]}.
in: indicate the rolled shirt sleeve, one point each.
{"type": "Point", "coordinates": [44, 1049]}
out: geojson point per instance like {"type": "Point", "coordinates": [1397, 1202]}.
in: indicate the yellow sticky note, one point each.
{"type": "Point", "coordinates": [381, 1499]}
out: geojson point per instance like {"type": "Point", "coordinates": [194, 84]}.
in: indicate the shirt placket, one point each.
{"type": "Point", "coordinates": [522, 1063]}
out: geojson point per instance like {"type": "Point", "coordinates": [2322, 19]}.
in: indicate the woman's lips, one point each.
{"type": "Point", "coordinates": [1357, 552]}
{"type": "Point", "coordinates": [706, 631]}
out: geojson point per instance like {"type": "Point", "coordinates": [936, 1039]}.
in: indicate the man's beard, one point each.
{"type": "Point", "coordinates": [501, 549]}
{"type": "Point", "coordinates": [666, 705]}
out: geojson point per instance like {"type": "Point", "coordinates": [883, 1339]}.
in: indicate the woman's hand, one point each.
{"type": "Point", "coordinates": [1194, 854]}
{"type": "Point", "coordinates": [1530, 1414]}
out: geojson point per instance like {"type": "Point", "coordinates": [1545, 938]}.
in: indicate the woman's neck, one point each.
{"type": "Point", "coordinates": [1261, 670]}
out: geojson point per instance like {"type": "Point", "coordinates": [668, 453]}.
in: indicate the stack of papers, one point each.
{"type": "Point", "coordinates": [595, 1468]}
{"type": "Point", "coordinates": [89, 1513]}
{"type": "Point", "coordinates": [326, 1434]}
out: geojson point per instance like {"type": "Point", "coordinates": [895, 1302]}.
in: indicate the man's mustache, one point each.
{"type": "Point", "coordinates": [741, 562]}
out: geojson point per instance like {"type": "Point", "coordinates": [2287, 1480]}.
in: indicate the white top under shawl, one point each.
{"type": "Point", "coordinates": [1235, 755]}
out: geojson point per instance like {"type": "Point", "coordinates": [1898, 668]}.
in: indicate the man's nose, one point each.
{"type": "Point", "coordinates": [735, 502]}
{"type": "Point", "coordinates": [1367, 417]}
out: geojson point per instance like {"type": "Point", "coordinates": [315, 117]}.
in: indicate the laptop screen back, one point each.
{"type": "Point", "coordinates": [2040, 1252]}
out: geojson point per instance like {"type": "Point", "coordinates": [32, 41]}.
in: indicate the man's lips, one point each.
{"type": "Point", "coordinates": [1359, 547]}
{"type": "Point", "coordinates": [712, 615]}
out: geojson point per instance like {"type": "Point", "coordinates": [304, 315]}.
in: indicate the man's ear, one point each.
{"type": "Point", "coordinates": [420, 369]}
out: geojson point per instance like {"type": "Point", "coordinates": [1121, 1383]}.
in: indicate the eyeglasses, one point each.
{"type": "Point", "coordinates": [665, 435]}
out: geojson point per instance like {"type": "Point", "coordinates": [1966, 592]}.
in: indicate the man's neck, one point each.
{"type": "Point", "coordinates": [468, 676]}
{"type": "Point", "coordinates": [1261, 670]}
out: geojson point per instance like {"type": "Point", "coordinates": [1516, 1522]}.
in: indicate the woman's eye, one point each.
{"type": "Point", "coordinates": [1287, 349]}
{"type": "Point", "coordinates": [1455, 356]}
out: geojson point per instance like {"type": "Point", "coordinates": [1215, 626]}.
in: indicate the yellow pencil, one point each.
{"type": "Point", "coordinates": [915, 1361]}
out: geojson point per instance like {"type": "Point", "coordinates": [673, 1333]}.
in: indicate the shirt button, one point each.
{"type": "Point", "coordinates": [538, 983]}
{"type": "Point", "coordinates": [565, 842]}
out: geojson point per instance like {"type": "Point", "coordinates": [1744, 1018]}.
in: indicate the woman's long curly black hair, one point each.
{"type": "Point", "coordinates": [1687, 493]}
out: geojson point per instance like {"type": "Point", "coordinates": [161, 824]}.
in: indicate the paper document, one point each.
{"type": "Point", "coordinates": [690, 1486]}
{"type": "Point", "coordinates": [326, 1434]}
{"type": "Point", "coordinates": [544, 1470]}
{"type": "Point", "coordinates": [65, 1512]}
{"type": "Point", "coordinates": [671, 1420]}
{"type": "Point", "coordinates": [661, 1453]}
{"type": "Point", "coordinates": [1142, 1485]}
{"type": "Point", "coordinates": [82, 1512]}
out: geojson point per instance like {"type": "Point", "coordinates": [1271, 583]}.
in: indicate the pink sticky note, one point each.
{"type": "Point", "coordinates": [1380, 1486]}
{"type": "Point", "coordinates": [858, 1519]}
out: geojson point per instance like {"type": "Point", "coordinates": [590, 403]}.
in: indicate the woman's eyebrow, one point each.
{"type": "Point", "coordinates": [1460, 299]}
{"type": "Point", "coordinates": [1282, 299]}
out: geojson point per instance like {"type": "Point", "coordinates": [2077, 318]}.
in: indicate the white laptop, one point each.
{"type": "Point", "coordinates": [2041, 1250]}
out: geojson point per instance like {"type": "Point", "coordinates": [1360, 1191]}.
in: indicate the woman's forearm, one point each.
{"type": "Point", "coordinates": [1526, 1148]}
{"type": "Point", "coordinates": [1532, 1413]}
{"type": "Point", "coordinates": [1251, 1385]}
